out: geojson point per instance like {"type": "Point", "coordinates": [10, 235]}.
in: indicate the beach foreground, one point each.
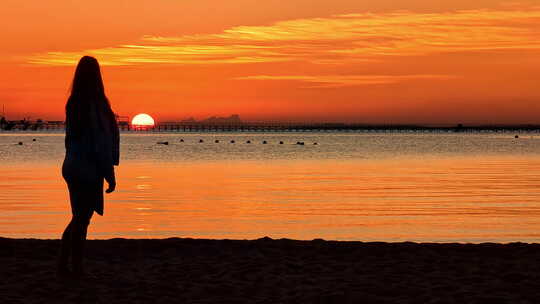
{"type": "Point", "coordinates": [273, 271]}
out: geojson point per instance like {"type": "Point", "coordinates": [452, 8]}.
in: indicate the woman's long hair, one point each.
{"type": "Point", "coordinates": [86, 91]}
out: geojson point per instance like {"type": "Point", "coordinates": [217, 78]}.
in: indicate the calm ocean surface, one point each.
{"type": "Point", "coordinates": [350, 186]}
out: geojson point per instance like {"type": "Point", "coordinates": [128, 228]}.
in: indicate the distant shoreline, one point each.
{"type": "Point", "coordinates": [362, 130]}
{"type": "Point", "coordinates": [234, 124]}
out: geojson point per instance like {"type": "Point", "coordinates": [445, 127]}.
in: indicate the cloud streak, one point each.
{"type": "Point", "coordinates": [337, 81]}
{"type": "Point", "coordinates": [334, 40]}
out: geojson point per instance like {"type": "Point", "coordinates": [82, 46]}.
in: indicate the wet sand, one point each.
{"type": "Point", "coordinates": [273, 271]}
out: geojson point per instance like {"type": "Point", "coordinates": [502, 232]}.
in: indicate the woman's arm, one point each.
{"type": "Point", "coordinates": [111, 180]}
{"type": "Point", "coordinates": [104, 144]}
{"type": "Point", "coordinates": [115, 142]}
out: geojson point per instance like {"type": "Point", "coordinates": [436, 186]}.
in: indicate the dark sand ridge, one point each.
{"type": "Point", "coordinates": [274, 271]}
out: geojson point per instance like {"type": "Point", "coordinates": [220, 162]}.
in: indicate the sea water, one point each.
{"type": "Point", "coordinates": [429, 187]}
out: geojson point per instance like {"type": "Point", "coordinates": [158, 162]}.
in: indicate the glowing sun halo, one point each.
{"type": "Point", "coordinates": [142, 120]}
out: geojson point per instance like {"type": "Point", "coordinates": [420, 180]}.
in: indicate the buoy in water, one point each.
{"type": "Point", "coordinates": [248, 142]}
{"type": "Point", "coordinates": [181, 140]}
{"type": "Point", "coordinates": [216, 141]}
{"type": "Point", "coordinates": [232, 141]}
{"type": "Point", "coordinates": [200, 140]}
{"type": "Point", "coordinates": [34, 139]}
{"type": "Point", "coordinates": [264, 142]}
{"type": "Point", "coordinates": [281, 142]}
{"type": "Point", "coordinates": [20, 143]}
{"type": "Point", "coordinates": [517, 136]}
{"type": "Point", "coordinates": [315, 144]}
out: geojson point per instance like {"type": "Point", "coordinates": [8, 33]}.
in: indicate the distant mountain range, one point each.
{"type": "Point", "coordinates": [231, 120]}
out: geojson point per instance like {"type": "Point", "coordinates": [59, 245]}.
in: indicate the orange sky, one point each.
{"type": "Point", "coordinates": [418, 61]}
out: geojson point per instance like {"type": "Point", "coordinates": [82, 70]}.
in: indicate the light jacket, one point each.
{"type": "Point", "coordinates": [91, 155]}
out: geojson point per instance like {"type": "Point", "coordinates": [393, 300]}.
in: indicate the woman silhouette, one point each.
{"type": "Point", "coordinates": [92, 151]}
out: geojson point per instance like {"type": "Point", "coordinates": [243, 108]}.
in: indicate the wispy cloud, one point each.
{"type": "Point", "coordinates": [334, 40]}
{"type": "Point", "coordinates": [336, 81]}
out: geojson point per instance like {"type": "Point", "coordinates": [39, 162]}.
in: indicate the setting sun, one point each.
{"type": "Point", "coordinates": [142, 120]}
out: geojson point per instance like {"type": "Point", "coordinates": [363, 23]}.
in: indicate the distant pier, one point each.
{"type": "Point", "coordinates": [26, 125]}
{"type": "Point", "coordinates": [333, 127]}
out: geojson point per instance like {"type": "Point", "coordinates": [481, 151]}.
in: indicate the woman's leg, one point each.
{"type": "Point", "coordinates": [79, 231]}
{"type": "Point", "coordinates": [83, 200]}
{"type": "Point", "coordinates": [67, 239]}
{"type": "Point", "coordinates": [65, 248]}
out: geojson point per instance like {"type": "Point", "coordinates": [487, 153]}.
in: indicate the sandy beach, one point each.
{"type": "Point", "coordinates": [273, 271]}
